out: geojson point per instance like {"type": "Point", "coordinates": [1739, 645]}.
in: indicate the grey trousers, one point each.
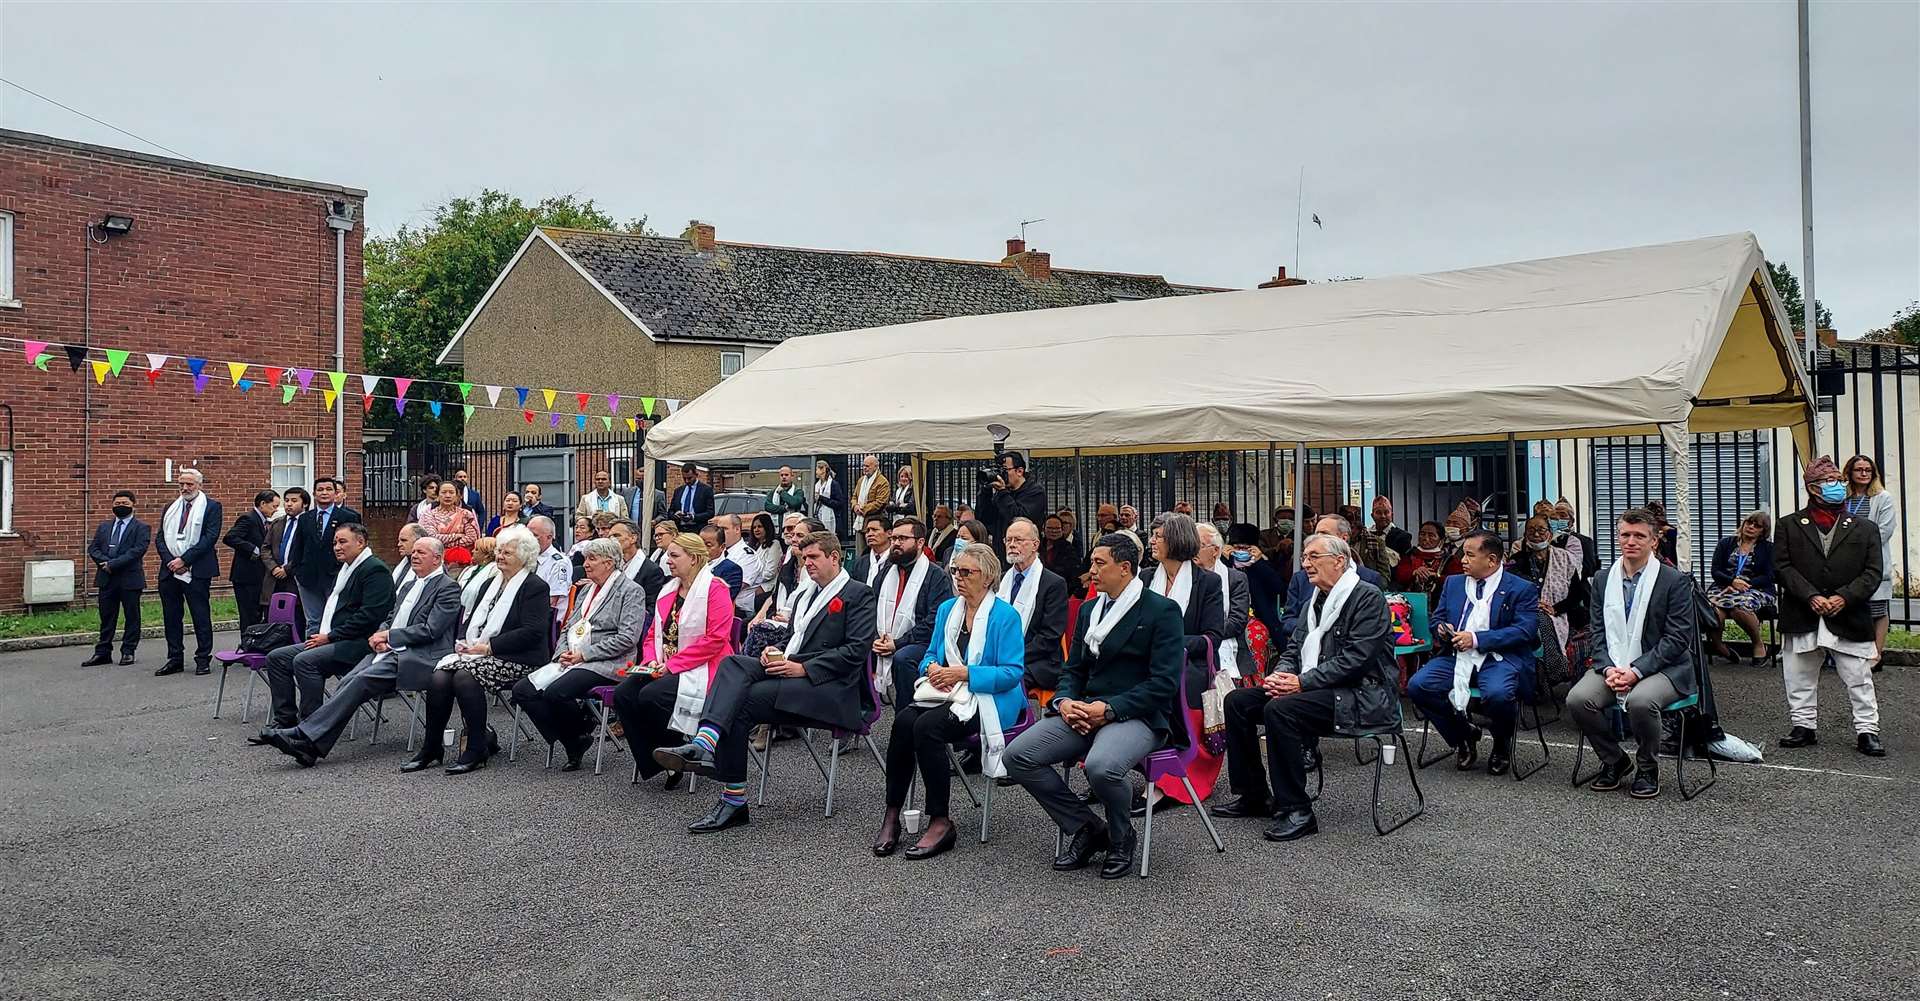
{"type": "Point", "coordinates": [368, 681]}
{"type": "Point", "coordinates": [1111, 752]}
{"type": "Point", "coordinates": [1591, 700]}
{"type": "Point", "coordinates": [294, 668]}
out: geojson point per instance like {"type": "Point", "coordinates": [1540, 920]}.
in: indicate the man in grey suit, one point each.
{"type": "Point", "coordinates": [1644, 636]}
{"type": "Point", "coordinates": [601, 638]}
{"type": "Point", "coordinates": [405, 650]}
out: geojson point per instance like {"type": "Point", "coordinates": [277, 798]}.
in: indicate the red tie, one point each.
{"type": "Point", "coordinates": [186, 508]}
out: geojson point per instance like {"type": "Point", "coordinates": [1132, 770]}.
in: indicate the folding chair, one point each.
{"type": "Point", "coordinates": [1619, 718]}
{"type": "Point", "coordinates": [1476, 711]}
{"type": "Point", "coordinates": [1379, 736]}
{"type": "Point", "coordinates": [985, 801]}
{"type": "Point", "coordinates": [831, 770]}
{"type": "Point", "coordinates": [600, 701]}
{"type": "Point", "coordinates": [282, 608]}
{"type": "Point", "coordinates": [1170, 762]}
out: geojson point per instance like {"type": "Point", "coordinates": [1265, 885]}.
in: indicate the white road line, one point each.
{"type": "Point", "coordinates": [1520, 744]}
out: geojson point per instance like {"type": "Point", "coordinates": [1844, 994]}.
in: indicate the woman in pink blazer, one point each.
{"type": "Point", "coordinates": [692, 631]}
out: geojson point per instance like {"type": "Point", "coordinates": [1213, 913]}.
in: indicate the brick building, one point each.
{"type": "Point", "coordinates": [196, 261]}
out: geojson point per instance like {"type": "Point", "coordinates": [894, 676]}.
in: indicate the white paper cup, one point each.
{"type": "Point", "coordinates": [913, 821]}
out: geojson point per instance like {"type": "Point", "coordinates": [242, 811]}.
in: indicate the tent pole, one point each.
{"type": "Point", "coordinates": [1273, 491]}
{"type": "Point", "coordinates": [1080, 511]}
{"type": "Point", "coordinates": [1299, 497]}
{"type": "Point", "coordinates": [648, 476]}
{"type": "Point", "coordinates": [1513, 492]}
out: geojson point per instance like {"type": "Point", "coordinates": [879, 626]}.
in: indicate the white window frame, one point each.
{"type": "Point", "coordinates": [741, 363]}
{"type": "Point", "coordinates": [305, 481]}
{"type": "Point", "coordinates": [6, 493]}
{"type": "Point", "coordinates": [7, 296]}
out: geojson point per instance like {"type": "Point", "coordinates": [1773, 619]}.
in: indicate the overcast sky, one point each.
{"type": "Point", "coordinates": [1158, 139]}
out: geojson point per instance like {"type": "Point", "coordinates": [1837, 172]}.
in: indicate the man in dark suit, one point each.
{"type": "Point", "coordinates": [818, 680]}
{"type": "Point", "coordinates": [1040, 596]}
{"type": "Point", "coordinates": [724, 569]}
{"type": "Point", "coordinates": [248, 540]}
{"type": "Point", "coordinates": [692, 503]}
{"type": "Point", "coordinates": [119, 555]}
{"type": "Point", "coordinates": [1397, 539]}
{"type": "Point", "coordinates": [470, 498]}
{"type": "Point", "coordinates": [903, 620]}
{"type": "Point", "coordinates": [531, 505]}
{"type": "Point", "coordinates": [282, 533]}
{"type": "Point", "coordinates": [315, 565]}
{"type": "Point", "coordinates": [1113, 707]}
{"type": "Point", "coordinates": [1337, 673]}
{"type": "Point", "coordinates": [188, 565]}
{"type": "Point", "coordinates": [404, 652]}
{"type": "Point", "coordinates": [869, 565]}
{"type": "Point", "coordinates": [1646, 667]}
{"type": "Point", "coordinates": [1485, 631]}
{"type": "Point", "coordinates": [360, 599]}
{"type": "Point", "coordinates": [1829, 561]}
{"type": "Point", "coordinates": [1300, 589]}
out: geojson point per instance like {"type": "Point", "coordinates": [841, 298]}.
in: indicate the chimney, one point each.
{"type": "Point", "coordinates": [700, 234]}
{"type": "Point", "coordinates": [1280, 280]}
{"type": "Point", "coordinates": [1016, 246]}
{"type": "Point", "coordinates": [1035, 264]}
{"type": "Point", "coordinates": [1828, 336]}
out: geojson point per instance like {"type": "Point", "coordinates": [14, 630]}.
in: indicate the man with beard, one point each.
{"type": "Point", "coordinates": [907, 594]}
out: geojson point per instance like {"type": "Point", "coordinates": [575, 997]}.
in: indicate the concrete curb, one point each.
{"type": "Point", "coordinates": [20, 643]}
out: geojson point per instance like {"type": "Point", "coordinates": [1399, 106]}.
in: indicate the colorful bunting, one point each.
{"type": "Point", "coordinates": [286, 393]}
{"type": "Point", "coordinates": [368, 383]}
{"type": "Point", "coordinates": [153, 376]}
{"type": "Point", "coordinates": [195, 365]}
{"type": "Point", "coordinates": [582, 399]}
{"type": "Point", "coordinates": [465, 388]}
{"type": "Point", "coordinates": [633, 426]}
{"type": "Point", "coordinates": [399, 404]}
{"type": "Point", "coordinates": [305, 376]}
{"type": "Point", "coordinates": [673, 407]}
{"type": "Point", "coordinates": [236, 369]}
{"type": "Point", "coordinates": [579, 422]}
{"type": "Point", "coordinates": [366, 404]}
{"type": "Point", "coordinates": [549, 394]}
{"type": "Point", "coordinates": [116, 360]}
{"type": "Point", "coordinates": [100, 370]}
{"type": "Point", "coordinates": [200, 384]}
{"type": "Point", "coordinates": [434, 407]}
{"type": "Point", "coordinates": [646, 403]}
{"type": "Point", "coordinates": [606, 422]}
{"type": "Point", "coordinates": [75, 355]}
{"type": "Point", "coordinates": [244, 385]}
{"type": "Point", "coordinates": [154, 362]}
{"type": "Point", "coordinates": [467, 410]}
{"type": "Point", "coordinates": [274, 375]}
{"type": "Point", "coordinates": [554, 420]}
{"type": "Point", "coordinates": [339, 380]}
{"type": "Point", "coordinates": [613, 402]}
{"type": "Point", "coordinates": [493, 396]}
{"type": "Point", "coordinates": [528, 414]}
{"type": "Point", "coordinates": [522, 390]}
{"type": "Point", "coordinates": [34, 351]}
{"type": "Point", "coordinates": [400, 386]}
{"type": "Point", "coordinates": [327, 397]}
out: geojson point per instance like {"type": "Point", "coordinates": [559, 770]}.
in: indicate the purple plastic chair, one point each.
{"type": "Point", "coordinates": [600, 700]}
{"type": "Point", "coordinates": [985, 801]}
{"type": "Point", "coordinates": [280, 609]}
{"type": "Point", "coordinates": [1171, 761]}
{"type": "Point", "coordinates": [830, 770]}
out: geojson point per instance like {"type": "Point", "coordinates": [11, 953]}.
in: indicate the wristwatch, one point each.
{"type": "Point", "coordinates": [1108, 715]}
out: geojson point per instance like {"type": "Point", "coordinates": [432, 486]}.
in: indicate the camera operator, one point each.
{"type": "Point", "coordinates": [1007, 495]}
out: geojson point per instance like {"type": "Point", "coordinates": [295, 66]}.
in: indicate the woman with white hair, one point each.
{"type": "Point", "coordinates": [509, 633]}
{"type": "Point", "coordinates": [597, 644]}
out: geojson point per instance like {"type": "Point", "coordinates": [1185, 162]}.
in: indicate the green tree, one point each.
{"type": "Point", "coordinates": [1906, 324]}
{"type": "Point", "coordinates": [422, 281]}
{"type": "Point", "coordinates": [1788, 286]}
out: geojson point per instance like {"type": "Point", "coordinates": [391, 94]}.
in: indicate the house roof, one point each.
{"type": "Point", "coordinates": [757, 294]}
{"type": "Point", "coordinates": [74, 146]}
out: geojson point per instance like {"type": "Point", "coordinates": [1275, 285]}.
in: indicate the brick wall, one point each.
{"type": "Point", "coordinates": [217, 265]}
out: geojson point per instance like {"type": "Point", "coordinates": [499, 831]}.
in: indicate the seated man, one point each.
{"type": "Point", "coordinates": [361, 599]}
{"type": "Point", "coordinates": [1485, 627]}
{"type": "Point", "coordinates": [1300, 589]}
{"type": "Point", "coordinates": [818, 680]}
{"type": "Point", "coordinates": [1113, 708]}
{"type": "Point", "coordinates": [1337, 674]}
{"type": "Point", "coordinates": [404, 652]}
{"type": "Point", "coordinates": [1040, 596]}
{"type": "Point", "coordinates": [907, 596]}
{"type": "Point", "coordinates": [724, 569]}
{"type": "Point", "coordinates": [1643, 634]}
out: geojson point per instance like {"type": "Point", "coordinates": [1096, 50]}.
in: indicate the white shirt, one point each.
{"type": "Point", "coordinates": [403, 616]}
{"type": "Point", "coordinates": [554, 568]}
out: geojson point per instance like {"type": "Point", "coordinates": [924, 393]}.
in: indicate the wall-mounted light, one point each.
{"type": "Point", "coordinates": [116, 225]}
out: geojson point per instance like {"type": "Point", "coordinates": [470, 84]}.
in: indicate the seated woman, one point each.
{"type": "Point", "coordinates": [1556, 573]}
{"type": "Point", "coordinates": [1420, 570]}
{"type": "Point", "coordinates": [508, 634]}
{"type": "Point", "coordinates": [969, 534]}
{"type": "Point", "coordinates": [1174, 543]}
{"type": "Point", "coordinates": [509, 516]}
{"type": "Point", "coordinates": [483, 572]}
{"type": "Point", "coordinates": [1743, 581]}
{"type": "Point", "coordinates": [601, 635]}
{"type": "Point", "coordinates": [978, 642]}
{"type": "Point", "coordinates": [692, 633]}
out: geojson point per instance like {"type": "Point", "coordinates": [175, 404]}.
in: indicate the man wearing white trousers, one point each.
{"type": "Point", "coordinates": [1828, 564]}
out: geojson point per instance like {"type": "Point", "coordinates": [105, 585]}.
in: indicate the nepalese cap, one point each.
{"type": "Point", "coordinates": [1821, 470]}
{"type": "Point", "coordinates": [1242, 534]}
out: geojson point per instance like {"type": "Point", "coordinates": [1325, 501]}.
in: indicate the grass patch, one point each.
{"type": "Point", "coordinates": [87, 620]}
{"type": "Point", "coordinates": [1897, 638]}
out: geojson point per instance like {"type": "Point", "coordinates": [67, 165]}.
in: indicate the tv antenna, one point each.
{"type": "Point", "coordinates": [1024, 223]}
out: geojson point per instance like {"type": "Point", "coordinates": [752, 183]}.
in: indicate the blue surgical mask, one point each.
{"type": "Point", "coordinates": [1242, 557]}
{"type": "Point", "coordinates": [1833, 492]}
{"type": "Point", "coordinates": [1559, 525]}
{"type": "Point", "coordinates": [959, 546]}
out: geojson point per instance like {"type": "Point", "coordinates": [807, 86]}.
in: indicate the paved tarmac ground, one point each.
{"type": "Point", "coordinates": [146, 851]}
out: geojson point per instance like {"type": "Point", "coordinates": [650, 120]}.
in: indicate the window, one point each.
{"type": "Point", "coordinates": [292, 464]}
{"type": "Point", "coordinates": [1452, 469]}
{"type": "Point", "coordinates": [6, 493]}
{"type": "Point", "coordinates": [6, 260]}
{"type": "Point", "coordinates": [731, 362]}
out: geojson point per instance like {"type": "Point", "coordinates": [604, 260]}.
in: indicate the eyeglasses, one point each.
{"type": "Point", "coordinates": [962, 572]}
{"type": "Point", "coordinates": [1324, 556]}
{"type": "Point", "coordinates": [904, 538]}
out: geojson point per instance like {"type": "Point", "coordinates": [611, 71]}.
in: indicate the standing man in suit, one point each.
{"type": "Point", "coordinates": [1485, 629]}
{"type": "Point", "coordinates": [361, 599]}
{"type": "Point", "coordinates": [315, 565]}
{"type": "Point", "coordinates": [188, 566]}
{"type": "Point", "coordinates": [119, 555]}
{"type": "Point", "coordinates": [871, 495]}
{"type": "Point", "coordinates": [693, 501]}
{"type": "Point", "coordinates": [1828, 563]}
{"type": "Point", "coordinates": [1115, 704]}
{"type": "Point", "coordinates": [1645, 635]}
{"type": "Point", "coordinates": [1040, 596]}
{"type": "Point", "coordinates": [469, 497]}
{"type": "Point", "coordinates": [1300, 589]}
{"type": "Point", "coordinates": [907, 596]}
{"type": "Point", "coordinates": [601, 499]}
{"type": "Point", "coordinates": [282, 534]}
{"type": "Point", "coordinates": [532, 506]}
{"type": "Point", "coordinates": [401, 657]}
{"type": "Point", "coordinates": [819, 679]}
{"type": "Point", "coordinates": [248, 540]}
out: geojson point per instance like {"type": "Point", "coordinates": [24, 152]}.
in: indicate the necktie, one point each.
{"type": "Point", "coordinates": [286, 541]}
{"type": "Point", "coordinates": [119, 526]}
{"type": "Point", "coordinates": [326, 515]}
{"type": "Point", "coordinates": [1100, 610]}
{"type": "Point", "coordinates": [186, 508]}
{"type": "Point", "coordinates": [1018, 579]}
{"type": "Point", "coordinates": [686, 500]}
{"type": "Point", "coordinates": [1479, 589]}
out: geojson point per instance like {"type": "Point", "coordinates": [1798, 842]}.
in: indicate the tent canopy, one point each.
{"type": "Point", "coordinates": [1617, 342]}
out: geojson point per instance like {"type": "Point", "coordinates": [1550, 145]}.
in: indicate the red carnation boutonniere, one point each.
{"type": "Point", "coordinates": [835, 606]}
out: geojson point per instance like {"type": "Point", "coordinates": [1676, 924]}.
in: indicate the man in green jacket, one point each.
{"type": "Point", "coordinates": [786, 497]}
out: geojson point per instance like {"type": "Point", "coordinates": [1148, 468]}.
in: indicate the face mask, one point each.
{"type": "Point", "coordinates": [1559, 525]}
{"type": "Point", "coordinates": [1242, 557]}
{"type": "Point", "coordinates": [122, 511]}
{"type": "Point", "coordinates": [959, 545]}
{"type": "Point", "coordinates": [1428, 549]}
{"type": "Point", "coordinates": [1453, 534]}
{"type": "Point", "coordinates": [1536, 546]}
{"type": "Point", "coordinates": [1833, 493]}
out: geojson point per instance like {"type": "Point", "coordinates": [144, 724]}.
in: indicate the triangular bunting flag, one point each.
{"type": "Point", "coordinates": [606, 422]}
{"type": "Point", "coordinates": [613, 402]}
{"type": "Point", "coordinates": [196, 365]}
{"type": "Point", "coordinates": [399, 404]}
{"type": "Point", "coordinates": [116, 359]}
{"type": "Point", "coordinates": [433, 406]}
{"type": "Point", "coordinates": [243, 385]}
{"type": "Point", "coordinates": [400, 387]}
{"type": "Point", "coordinates": [582, 399]}
{"type": "Point", "coordinates": [553, 420]}
{"type": "Point", "coordinates": [673, 407]}
{"type": "Point", "coordinates": [549, 394]}
{"type": "Point", "coordinates": [465, 388]}
{"type": "Point", "coordinates": [75, 355]}
{"type": "Point", "coordinates": [522, 390]}
{"type": "Point", "coordinates": [579, 422]}
{"type": "Point", "coordinates": [236, 369]}
{"type": "Point", "coordinates": [274, 375]}
{"type": "Point", "coordinates": [100, 370]}
{"type": "Point", "coordinates": [528, 414]}
{"type": "Point", "coordinates": [646, 404]}
{"type": "Point", "coordinates": [367, 384]}
{"type": "Point", "coordinates": [493, 396]}
{"type": "Point", "coordinates": [154, 362]}
{"type": "Point", "coordinates": [200, 384]}
{"type": "Point", "coordinates": [286, 393]}
{"type": "Point", "coordinates": [339, 380]}
{"type": "Point", "coordinates": [466, 410]}
{"type": "Point", "coordinates": [153, 376]}
{"type": "Point", "coordinates": [34, 350]}
{"type": "Point", "coordinates": [366, 404]}
{"type": "Point", "coordinates": [326, 397]}
{"type": "Point", "coordinates": [632, 425]}
{"type": "Point", "coordinates": [305, 377]}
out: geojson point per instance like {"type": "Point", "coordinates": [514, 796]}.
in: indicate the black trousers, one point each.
{"type": "Point", "coordinates": [922, 734]}
{"type": "Point", "coordinates": [742, 694]}
{"type": "Point", "coordinates": [247, 596]}
{"type": "Point", "coordinates": [556, 711]}
{"type": "Point", "coordinates": [1292, 721]}
{"type": "Point", "coordinates": [644, 706]}
{"type": "Point", "coordinates": [177, 600]}
{"type": "Point", "coordinates": [444, 688]}
{"type": "Point", "coordinates": [112, 605]}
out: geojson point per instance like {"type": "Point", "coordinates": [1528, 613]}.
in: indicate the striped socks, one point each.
{"type": "Point", "coordinates": [734, 794]}
{"type": "Point", "coordinates": [708, 738]}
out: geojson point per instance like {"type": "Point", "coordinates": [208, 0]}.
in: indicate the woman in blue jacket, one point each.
{"type": "Point", "coordinates": [970, 683]}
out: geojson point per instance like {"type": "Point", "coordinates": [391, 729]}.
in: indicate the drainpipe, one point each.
{"type": "Point", "coordinates": [340, 220]}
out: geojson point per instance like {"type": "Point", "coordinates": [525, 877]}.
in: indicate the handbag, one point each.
{"type": "Point", "coordinates": [265, 637]}
{"type": "Point", "coordinates": [926, 694]}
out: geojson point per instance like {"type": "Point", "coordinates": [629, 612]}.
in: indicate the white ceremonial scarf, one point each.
{"type": "Point", "coordinates": [178, 540]}
{"type": "Point", "coordinates": [809, 605]}
{"type": "Point", "coordinates": [581, 631]}
{"type": "Point", "coordinates": [1029, 592]}
{"type": "Point", "coordinates": [475, 583]}
{"type": "Point", "coordinates": [866, 489]}
{"type": "Point", "coordinates": [486, 621]}
{"type": "Point", "coordinates": [1479, 619]}
{"type": "Point", "coordinates": [1229, 652]}
{"type": "Point", "coordinates": [992, 742]}
{"type": "Point", "coordinates": [1115, 610]}
{"type": "Point", "coordinates": [1624, 637]}
{"type": "Point", "coordinates": [340, 584]}
{"type": "Point", "coordinates": [823, 489]}
{"type": "Point", "coordinates": [895, 616]}
{"type": "Point", "coordinates": [403, 616]}
{"type": "Point", "coordinates": [940, 537]}
{"type": "Point", "coordinates": [690, 697]}
{"type": "Point", "coordinates": [1181, 587]}
{"type": "Point", "coordinates": [1320, 618]}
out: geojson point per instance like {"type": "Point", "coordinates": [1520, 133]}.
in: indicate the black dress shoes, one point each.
{"type": "Point", "coordinates": [1119, 861]}
{"type": "Point", "coordinates": [1292, 826]}
{"type": "Point", "coordinates": [293, 745]}
{"type": "Point", "coordinates": [1245, 806]}
{"type": "Point", "coordinates": [1800, 736]}
{"type": "Point", "coordinates": [575, 755]}
{"type": "Point", "coordinates": [170, 667]}
{"type": "Point", "coordinates": [940, 846]}
{"type": "Point", "coordinates": [1468, 753]}
{"type": "Point", "coordinates": [202, 667]}
{"type": "Point", "coordinates": [462, 767]}
{"type": "Point", "coordinates": [889, 840]}
{"type": "Point", "coordinates": [97, 660]}
{"type": "Point", "coordinates": [1869, 744]}
{"type": "Point", "coordinates": [688, 757]}
{"type": "Point", "coordinates": [1500, 759]}
{"type": "Point", "coordinates": [423, 760]}
{"type": "Point", "coordinates": [1646, 781]}
{"type": "Point", "coordinates": [723, 816]}
{"type": "Point", "coordinates": [1086, 842]}
{"type": "Point", "coordinates": [126, 659]}
{"type": "Point", "coordinates": [1611, 776]}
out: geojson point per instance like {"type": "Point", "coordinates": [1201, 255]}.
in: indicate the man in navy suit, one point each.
{"type": "Point", "coordinates": [248, 571]}
{"type": "Point", "coordinates": [692, 504]}
{"type": "Point", "coordinates": [119, 555]}
{"type": "Point", "coordinates": [1486, 625]}
{"type": "Point", "coordinates": [469, 497]}
{"type": "Point", "coordinates": [188, 532]}
{"type": "Point", "coordinates": [314, 565]}
{"type": "Point", "coordinates": [1300, 589]}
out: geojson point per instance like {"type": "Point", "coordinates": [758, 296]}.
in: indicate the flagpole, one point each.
{"type": "Point", "coordinates": [1299, 201]}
